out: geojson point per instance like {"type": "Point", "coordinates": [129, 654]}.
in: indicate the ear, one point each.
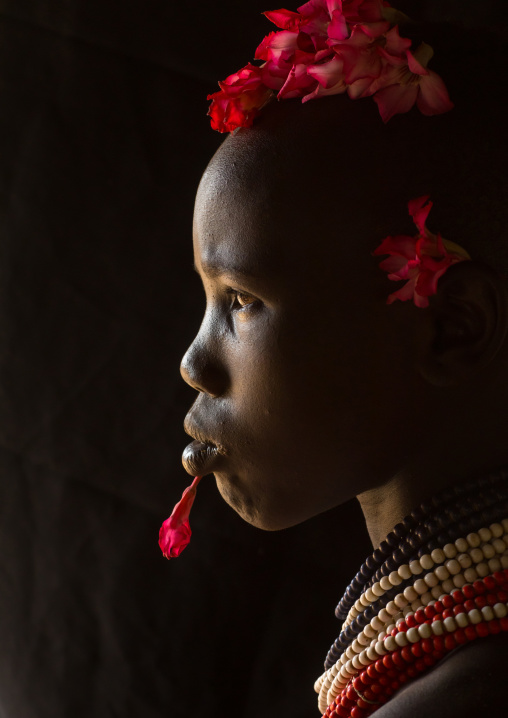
{"type": "Point", "coordinates": [464, 326]}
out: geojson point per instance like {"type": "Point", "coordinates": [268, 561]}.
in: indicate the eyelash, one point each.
{"type": "Point", "coordinates": [235, 304]}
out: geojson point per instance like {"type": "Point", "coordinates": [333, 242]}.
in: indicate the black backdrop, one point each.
{"type": "Point", "coordinates": [103, 137]}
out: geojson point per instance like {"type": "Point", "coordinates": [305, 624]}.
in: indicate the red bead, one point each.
{"type": "Point", "coordinates": [504, 623]}
{"type": "Point", "coordinates": [402, 626]}
{"type": "Point", "coordinates": [347, 702]}
{"type": "Point", "coordinates": [491, 599]}
{"type": "Point", "coordinates": [411, 620]}
{"type": "Point", "coordinates": [387, 661]}
{"type": "Point", "coordinates": [351, 694]}
{"type": "Point", "coordinates": [403, 678]}
{"type": "Point", "coordinates": [395, 686]}
{"type": "Point", "coordinates": [499, 577]}
{"type": "Point", "coordinates": [411, 672]}
{"type": "Point", "coordinates": [333, 714]}
{"type": "Point", "coordinates": [459, 608]}
{"type": "Point", "coordinates": [357, 712]}
{"type": "Point", "coordinates": [380, 666]}
{"type": "Point", "coordinates": [458, 596]}
{"type": "Point", "coordinates": [438, 607]}
{"type": "Point", "coordinates": [394, 632]}
{"type": "Point", "coordinates": [420, 665]}
{"type": "Point", "coordinates": [429, 660]}
{"type": "Point", "coordinates": [479, 587]}
{"type": "Point", "coordinates": [482, 630]}
{"type": "Point", "coordinates": [369, 695]}
{"type": "Point", "coordinates": [358, 684]}
{"type": "Point", "coordinates": [489, 582]}
{"type": "Point", "coordinates": [376, 689]}
{"type": "Point", "coordinates": [470, 633]}
{"type": "Point", "coordinates": [438, 644]}
{"type": "Point", "coordinates": [448, 613]}
{"type": "Point", "coordinates": [460, 636]}
{"type": "Point", "coordinates": [427, 645]}
{"type": "Point", "coordinates": [502, 596]}
{"type": "Point", "coordinates": [468, 591]}
{"type": "Point", "coordinates": [447, 601]}
{"type": "Point", "coordinates": [429, 611]}
{"type": "Point", "coordinates": [416, 649]}
{"type": "Point", "coordinates": [450, 642]}
{"type": "Point", "coordinates": [494, 626]}
{"type": "Point", "coordinates": [365, 678]}
{"type": "Point", "coordinates": [407, 654]}
{"type": "Point", "coordinates": [343, 712]}
{"type": "Point", "coordinates": [480, 601]}
{"type": "Point", "coordinates": [469, 605]}
{"type": "Point", "coordinates": [362, 704]}
{"type": "Point", "coordinates": [372, 671]}
{"type": "Point", "coordinates": [420, 616]}
{"type": "Point", "coordinates": [384, 681]}
{"type": "Point", "coordinates": [398, 660]}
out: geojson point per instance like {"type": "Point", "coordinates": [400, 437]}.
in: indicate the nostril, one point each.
{"type": "Point", "coordinates": [203, 371]}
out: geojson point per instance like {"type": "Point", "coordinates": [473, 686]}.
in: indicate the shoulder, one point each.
{"type": "Point", "coordinates": [470, 682]}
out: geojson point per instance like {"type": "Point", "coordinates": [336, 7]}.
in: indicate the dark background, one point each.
{"type": "Point", "coordinates": [103, 137]}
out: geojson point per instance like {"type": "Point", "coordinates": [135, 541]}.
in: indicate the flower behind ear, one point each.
{"type": "Point", "coordinates": [420, 260]}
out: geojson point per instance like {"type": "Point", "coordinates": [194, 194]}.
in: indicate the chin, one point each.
{"type": "Point", "coordinates": [252, 511]}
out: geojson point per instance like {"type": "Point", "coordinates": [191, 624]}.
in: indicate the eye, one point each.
{"type": "Point", "coordinates": [240, 300]}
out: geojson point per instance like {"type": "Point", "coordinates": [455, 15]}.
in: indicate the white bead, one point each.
{"type": "Point", "coordinates": [424, 630]}
{"type": "Point", "coordinates": [431, 579]}
{"type": "Point", "coordinates": [426, 598]}
{"type": "Point", "coordinates": [391, 608]}
{"type": "Point", "coordinates": [394, 578]}
{"type": "Point", "coordinates": [461, 545]}
{"type": "Point", "coordinates": [437, 627]}
{"type": "Point", "coordinates": [474, 616]}
{"type": "Point", "coordinates": [371, 654]}
{"type": "Point", "coordinates": [390, 644]}
{"type": "Point", "coordinates": [407, 610]}
{"type": "Point", "coordinates": [401, 639]}
{"type": "Point", "coordinates": [488, 551]}
{"type": "Point", "coordinates": [389, 628]}
{"type": "Point", "coordinates": [473, 540]}
{"type": "Point", "coordinates": [482, 570]}
{"type": "Point", "coordinates": [415, 567]}
{"type": "Point", "coordinates": [442, 573]}
{"type": "Point", "coordinates": [369, 595]}
{"type": "Point", "coordinates": [357, 648]}
{"type": "Point", "coordinates": [344, 671]}
{"type": "Point", "coordinates": [404, 571]}
{"type": "Point", "coordinates": [487, 613]}
{"type": "Point", "coordinates": [459, 580]}
{"type": "Point", "coordinates": [450, 624]}
{"type": "Point", "coordinates": [369, 631]}
{"type": "Point", "coordinates": [400, 600]}
{"type": "Point", "coordinates": [499, 545]}
{"type": "Point", "coordinates": [384, 615]}
{"type": "Point", "coordinates": [377, 590]}
{"type": "Point", "coordinates": [412, 635]}
{"type": "Point", "coordinates": [438, 555]}
{"type": "Point", "coordinates": [505, 525]}
{"type": "Point", "coordinates": [500, 610]}
{"type": "Point", "coordinates": [484, 534]}
{"type": "Point", "coordinates": [376, 624]}
{"type": "Point", "coordinates": [426, 562]}
{"type": "Point", "coordinates": [385, 583]}
{"type": "Point", "coordinates": [504, 561]}
{"type": "Point", "coordinates": [448, 585]}
{"type": "Point", "coordinates": [363, 640]}
{"type": "Point", "coordinates": [436, 591]}
{"type": "Point", "coordinates": [449, 550]}
{"type": "Point", "coordinates": [420, 586]}
{"type": "Point", "coordinates": [416, 604]}
{"type": "Point", "coordinates": [358, 605]}
{"type": "Point", "coordinates": [453, 567]}
{"type": "Point", "coordinates": [494, 564]}
{"type": "Point", "coordinates": [350, 652]}
{"type": "Point", "coordinates": [364, 658]}
{"type": "Point", "coordinates": [476, 555]}
{"type": "Point", "coordinates": [497, 530]}
{"type": "Point", "coordinates": [356, 662]}
{"type": "Point", "coordinates": [410, 593]}
{"type": "Point", "coordinates": [461, 619]}
{"type": "Point", "coordinates": [380, 648]}
{"type": "Point", "coordinates": [470, 575]}
{"type": "Point", "coordinates": [465, 560]}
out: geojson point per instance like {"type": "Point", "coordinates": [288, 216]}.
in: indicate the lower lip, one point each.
{"type": "Point", "coordinates": [199, 458]}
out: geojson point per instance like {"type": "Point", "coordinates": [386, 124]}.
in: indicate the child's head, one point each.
{"type": "Point", "coordinates": [314, 387]}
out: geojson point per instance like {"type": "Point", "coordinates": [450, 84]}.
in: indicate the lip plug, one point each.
{"type": "Point", "coordinates": [175, 533]}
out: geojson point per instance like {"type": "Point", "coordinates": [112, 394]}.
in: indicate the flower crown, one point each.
{"type": "Point", "coordinates": [330, 47]}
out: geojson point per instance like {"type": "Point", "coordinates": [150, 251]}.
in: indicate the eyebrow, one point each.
{"type": "Point", "coordinates": [213, 269]}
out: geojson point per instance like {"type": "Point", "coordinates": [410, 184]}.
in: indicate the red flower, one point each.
{"type": "Point", "coordinates": [421, 260]}
{"type": "Point", "coordinates": [175, 532]}
{"type": "Point", "coordinates": [239, 100]}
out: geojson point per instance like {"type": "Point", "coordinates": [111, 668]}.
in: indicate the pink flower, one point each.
{"type": "Point", "coordinates": [239, 100]}
{"type": "Point", "coordinates": [421, 260]}
{"type": "Point", "coordinates": [175, 532]}
{"type": "Point", "coordinates": [401, 86]}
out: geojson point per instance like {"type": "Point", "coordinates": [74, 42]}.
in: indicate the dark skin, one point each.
{"type": "Point", "coordinates": [317, 390]}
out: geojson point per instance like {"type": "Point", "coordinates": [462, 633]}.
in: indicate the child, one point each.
{"type": "Point", "coordinates": [312, 389]}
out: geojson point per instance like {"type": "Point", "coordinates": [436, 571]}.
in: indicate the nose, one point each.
{"type": "Point", "coordinates": [201, 367]}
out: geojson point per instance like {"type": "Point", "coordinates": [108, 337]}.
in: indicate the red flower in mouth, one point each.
{"type": "Point", "coordinates": [175, 532]}
{"type": "Point", "coordinates": [421, 260]}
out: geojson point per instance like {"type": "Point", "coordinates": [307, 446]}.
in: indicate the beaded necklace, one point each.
{"type": "Point", "coordinates": [439, 579]}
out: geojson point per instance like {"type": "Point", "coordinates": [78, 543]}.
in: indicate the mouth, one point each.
{"type": "Point", "coordinates": [202, 455]}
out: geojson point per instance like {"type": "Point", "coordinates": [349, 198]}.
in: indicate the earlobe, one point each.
{"type": "Point", "coordinates": [465, 325]}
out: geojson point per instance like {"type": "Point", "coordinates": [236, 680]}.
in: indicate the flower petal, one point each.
{"type": "Point", "coordinates": [175, 532]}
{"type": "Point", "coordinates": [286, 19]}
{"type": "Point", "coordinates": [395, 100]}
{"type": "Point", "coordinates": [433, 98]}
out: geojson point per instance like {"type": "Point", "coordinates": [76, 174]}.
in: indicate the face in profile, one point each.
{"type": "Point", "coordinates": [302, 372]}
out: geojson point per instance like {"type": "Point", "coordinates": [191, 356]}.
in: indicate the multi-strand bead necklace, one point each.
{"type": "Point", "coordinates": [440, 579]}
